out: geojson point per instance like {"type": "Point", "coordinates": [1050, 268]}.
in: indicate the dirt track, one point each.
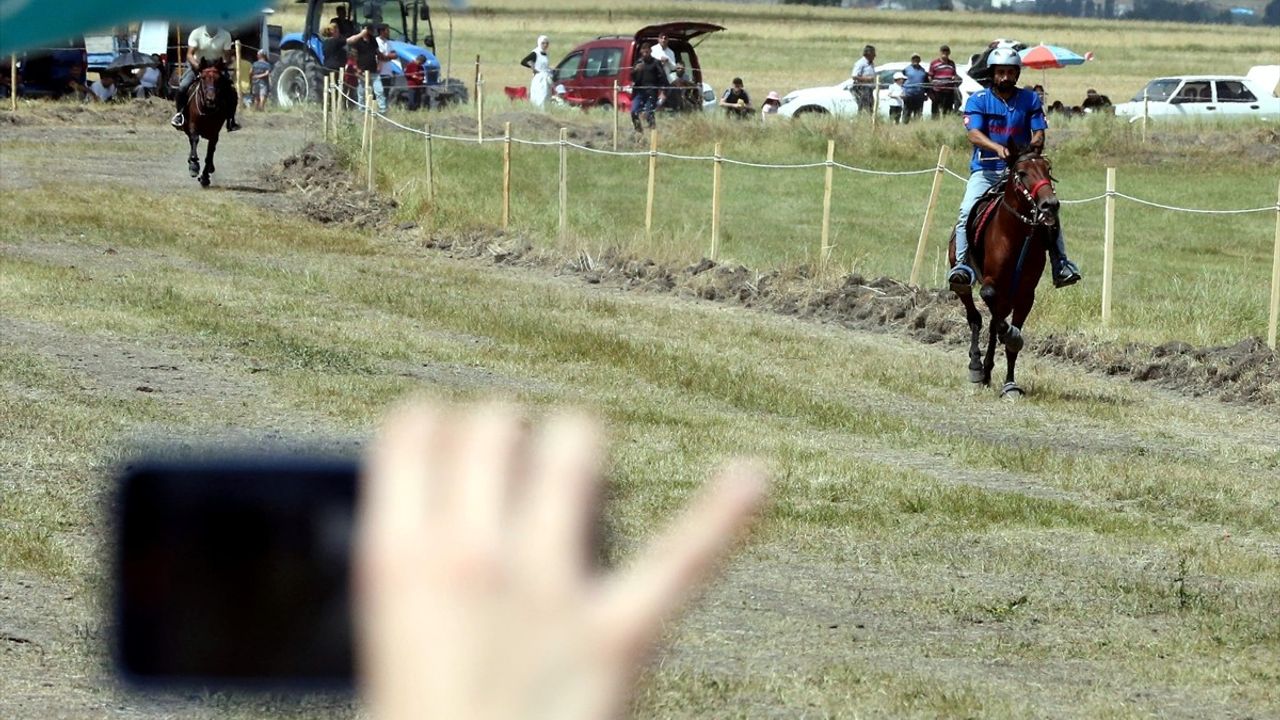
{"type": "Point", "coordinates": [42, 623]}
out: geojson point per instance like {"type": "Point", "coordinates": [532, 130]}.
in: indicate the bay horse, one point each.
{"type": "Point", "coordinates": [204, 119]}
{"type": "Point", "coordinates": [1011, 230]}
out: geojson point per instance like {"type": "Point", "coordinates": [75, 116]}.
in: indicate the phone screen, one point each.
{"type": "Point", "coordinates": [235, 572]}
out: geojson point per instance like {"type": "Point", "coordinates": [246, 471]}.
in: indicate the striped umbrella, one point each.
{"type": "Point", "coordinates": [1044, 57]}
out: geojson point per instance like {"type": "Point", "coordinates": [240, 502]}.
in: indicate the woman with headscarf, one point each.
{"type": "Point", "coordinates": [540, 64]}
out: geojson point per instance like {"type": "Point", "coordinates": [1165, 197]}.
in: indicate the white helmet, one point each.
{"type": "Point", "coordinates": [1004, 56]}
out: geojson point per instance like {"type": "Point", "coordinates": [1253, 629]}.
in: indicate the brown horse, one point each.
{"type": "Point", "coordinates": [1008, 251]}
{"type": "Point", "coordinates": [204, 119]}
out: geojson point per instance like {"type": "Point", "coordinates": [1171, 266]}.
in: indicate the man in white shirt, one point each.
{"type": "Point", "coordinates": [104, 88]}
{"type": "Point", "coordinates": [148, 81]}
{"type": "Point", "coordinates": [209, 45]}
{"type": "Point", "coordinates": [864, 78]}
{"type": "Point", "coordinates": [666, 56]}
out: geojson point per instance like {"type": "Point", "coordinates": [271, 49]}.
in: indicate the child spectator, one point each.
{"type": "Point", "coordinates": [415, 76]}
{"type": "Point", "coordinates": [772, 102]}
{"type": "Point", "coordinates": [736, 102]}
{"type": "Point", "coordinates": [260, 77]}
{"type": "Point", "coordinates": [896, 93]}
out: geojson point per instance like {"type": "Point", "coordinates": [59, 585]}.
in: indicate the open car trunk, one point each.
{"type": "Point", "coordinates": [686, 31]}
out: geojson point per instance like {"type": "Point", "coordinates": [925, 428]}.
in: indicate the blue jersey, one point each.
{"type": "Point", "coordinates": [1002, 121]}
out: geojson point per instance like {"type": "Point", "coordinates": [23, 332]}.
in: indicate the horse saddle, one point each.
{"type": "Point", "coordinates": [979, 217]}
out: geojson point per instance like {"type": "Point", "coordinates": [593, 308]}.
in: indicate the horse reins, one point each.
{"type": "Point", "coordinates": [1037, 214]}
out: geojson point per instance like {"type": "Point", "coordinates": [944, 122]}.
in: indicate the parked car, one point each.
{"type": "Point", "coordinates": [1207, 96]}
{"type": "Point", "coordinates": [589, 71]}
{"type": "Point", "coordinates": [838, 99]}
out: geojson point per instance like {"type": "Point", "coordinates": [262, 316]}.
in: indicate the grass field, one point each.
{"type": "Point", "coordinates": [1101, 550]}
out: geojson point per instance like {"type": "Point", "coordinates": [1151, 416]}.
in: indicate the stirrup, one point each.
{"type": "Point", "coordinates": [961, 278]}
{"type": "Point", "coordinates": [1070, 275]}
{"type": "Point", "coordinates": [178, 119]}
{"type": "Point", "coordinates": [232, 125]}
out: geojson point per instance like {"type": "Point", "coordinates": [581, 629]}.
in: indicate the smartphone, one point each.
{"type": "Point", "coordinates": [234, 572]}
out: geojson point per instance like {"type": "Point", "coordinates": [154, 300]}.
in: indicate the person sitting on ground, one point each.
{"type": "Point", "coordinates": [772, 102]}
{"type": "Point", "coordinates": [1094, 101]}
{"type": "Point", "coordinates": [736, 102]}
{"type": "Point", "coordinates": [208, 46]}
{"type": "Point", "coordinates": [685, 93]}
{"type": "Point", "coordinates": [104, 88]}
{"type": "Point", "coordinates": [1057, 108]}
{"type": "Point", "coordinates": [260, 79]}
{"type": "Point", "coordinates": [415, 77]}
{"type": "Point", "coordinates": [896, 91]}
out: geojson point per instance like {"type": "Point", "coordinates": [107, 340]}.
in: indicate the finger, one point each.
{"type": "Point", "coordinates": [396, 486]}
{"type": "Point", "coordinates": [671, 568]}
{"type": "Point", "coordinates": [560, 513]}
{"type": "Point", "coordinates": [483, 466]}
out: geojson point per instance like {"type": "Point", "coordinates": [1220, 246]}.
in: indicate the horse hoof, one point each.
{"type": "Point", "coordinates": [975, 376]}
{"type": "Point", "coordinates": [1013, 339]}
{"type": "Point", "coordinates": [194, 170]}
{"type": "Point", "coordinates": [204, 181]}
{"type": "Point", "coordinates": [1011, 391]}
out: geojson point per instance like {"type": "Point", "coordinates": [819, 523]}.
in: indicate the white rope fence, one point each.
{"type": "Point", "coordinates": [334, 94]}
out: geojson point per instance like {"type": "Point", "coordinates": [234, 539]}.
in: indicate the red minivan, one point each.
{"type": "Point", "coordinates": [588, 73]}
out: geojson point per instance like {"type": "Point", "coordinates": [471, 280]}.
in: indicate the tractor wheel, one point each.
{"type": "Point", "coordinates": [457, 90]}
{"type": "Point", "coordinates": [297, 78]}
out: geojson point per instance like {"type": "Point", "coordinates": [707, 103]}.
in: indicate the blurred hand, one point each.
{"type": "Point", "coordinates": [476, 597]}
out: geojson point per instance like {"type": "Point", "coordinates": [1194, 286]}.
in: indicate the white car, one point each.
{"type": "Point", "coordinates": [1208, 96]}
{"type": "Point", "coordinates": [838, 99]}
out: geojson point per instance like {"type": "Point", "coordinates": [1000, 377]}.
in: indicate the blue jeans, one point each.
{"type": "Point", "coordinates": [979, 182]}
{"type": "Point", "coordinates": [643, 101]}
{"type": "Point", "coordinates": [379, 94]}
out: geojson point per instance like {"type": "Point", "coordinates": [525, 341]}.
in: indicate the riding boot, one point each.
{"type": "Point", "coordinates": [1065, 272]}
{"type": "Point", "coordinates": [961, 276]}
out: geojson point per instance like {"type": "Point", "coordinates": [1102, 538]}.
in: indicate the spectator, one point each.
{"type": "Point", "coordinates": [896, 92]}
{"type": "Point", "coordinates": [149, 80]}
{"type": "Point", "coordinates": [648, 83]}
{"type": "Point", "coordinates": [364, 47]}
{"type": "Point", "coordinates": [864, 79]}
{"type": "Point", "coordinates": [1039, 91]}
{"type": "Point", "coordinates": [1057, 108]}
{"type": "Point", "coordinates": [683, 93]}
{"type": "Point", "coordinates": [385, 56]}
{"type": "Point", "coordinates": [539, 64]}
{"type": "Point", "coordinates": [75, 86]}
{"type": "Point", "coordinates": [415, 76]}
{"type": "Point", "coordinates": [915, 90]}
{"type": "Point", "coordinates": [736, 102]}
{"type": "Point", "coordinates": [104, 88]}
{"type": "Point", "coordinates": [772, 102]}
{"type": "Point", "coordinates": [475, 591]}
{"type": "Point", "coordinates": [945, 98]}
{"type": "Point", "coordinates": [6, 87]}
{"type": "Point", "coordinates": [343, 25]}
{"type": "Point", "coordinates": [260, 80]}
{"type": "Point", "coordinates": [665, 56]}
{"type": "Point", "coordinates": [1095, 102]}
{"type": "Point", "coordinates": [334, 45]}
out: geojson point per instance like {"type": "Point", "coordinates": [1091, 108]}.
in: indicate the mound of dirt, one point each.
{"type": "Point", "coordinates": [317, 182]}
{"type": "Point", "coordinates": [1247, 372]}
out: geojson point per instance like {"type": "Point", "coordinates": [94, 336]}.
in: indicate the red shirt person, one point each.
{"type": "Point", "coordinates": [415, 75]}
{"type": "Point", "coordinates": [944, 94]}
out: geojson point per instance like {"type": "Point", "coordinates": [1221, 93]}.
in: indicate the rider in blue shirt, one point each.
{"type": "Point", "coordinates": [993, 117]}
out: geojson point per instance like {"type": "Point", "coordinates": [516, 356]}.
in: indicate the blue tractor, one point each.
{"type": "Point", "coordinates": [298, 75]}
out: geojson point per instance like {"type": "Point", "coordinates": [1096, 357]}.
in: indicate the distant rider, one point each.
{"type": "Point", "coordinates": [993, 117]}
{"type": "Point", "coordinates": [209, 45]}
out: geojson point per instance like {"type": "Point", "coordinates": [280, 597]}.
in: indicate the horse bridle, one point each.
{"type": "Point", "coordinates": [1038, 214]}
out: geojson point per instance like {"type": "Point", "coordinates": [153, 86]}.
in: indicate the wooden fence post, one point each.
{"type": "Point", "coordinates": [369, 161]}
{"type": "Point", "coordinates": [13, 86]}
{"type": "Point", "coordinates": [1274, 315]}
{"type": "Point", "coordinates": [368, 100]}
{"type": "Point", "coordinates": [875, 103]}
{"type": "Point", "coordinates": [1108, 244]}
{"type": "Point", "coordinates": [616, 110]}
{"type": "Point", "coordinates": [476, 88]}
{"type": "Point", "coordinates": [564, 183]}
{"type": "Point", "coordinates": [825, 251]}
{"type": "Point", "coordinates": [653, 173]}
{"type": "Point", "coordinates": [236, 71]}
{"type": "Point", "coordinates": [480, 110]}
{"type": "Point", "coordinates": [506, 175]}
{"type": "Point", "coordinates": [324, 112]}
{"type": "Point", "coordinates": [938, 174]}
{"type": "Point", "coordinates": [716, 184]}
{"type": "Point", "coordinates": [431, 179]}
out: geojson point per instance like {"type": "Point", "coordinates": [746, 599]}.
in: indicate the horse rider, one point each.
{"type": "Point", "coordinates": [993, 117]}
{"type": "Point", "coordinates": [209, 45]}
